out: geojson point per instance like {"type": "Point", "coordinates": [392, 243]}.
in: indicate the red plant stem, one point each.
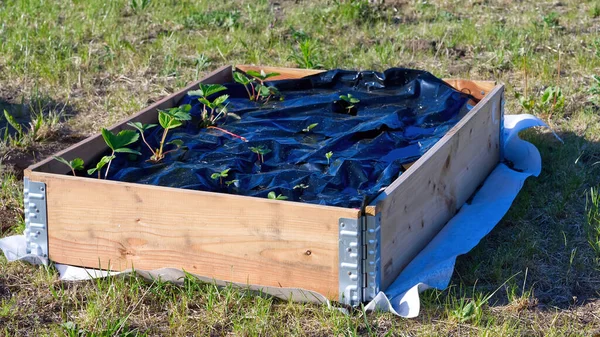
{"type": "Point", "coordinates": [227, 132]}
{"type": "Point", "coordinates": [148, 145]}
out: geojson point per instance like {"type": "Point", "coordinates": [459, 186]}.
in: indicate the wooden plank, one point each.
{"type": "Point", "coordinates": [284, 73]}
{"type": "Point", "coordinates": [90, 148]}
{"type": "Point", "coordinates": [99, 223]}
{"type": "Point", "coordinates": [420, 202]}
{"type": "Point", "coordinates": [476, 88]}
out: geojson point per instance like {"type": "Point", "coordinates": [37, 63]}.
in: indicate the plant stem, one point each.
{"type": "Point", "coordinates": [248, 91]}
{"type": "Point", "coordinates": [72, 170]}
{"type": "Point", "coordinates": [145, 142]}
{"type": "Point", "coordinates": [108, 167]}
{"type": "Point", "coordinates": [227, 132]}
{"type": "Point", "coordinates": [159, 154]}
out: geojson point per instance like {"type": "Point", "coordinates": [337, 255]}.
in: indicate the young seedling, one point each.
{"type": "Point", "coordinates": [231, 182]}
{"type": "Point", "coordinates": [75, 164]}
{"type": "Point", "coordinates": [220, 176]}
{"type": "Point", "coordinates": [301, 186]}
{"type": "Point", "coordinates": [212, 110]}
{"type": "Point", "coordinates": [117, 143]}
{"type": "Point", "coordinates": [328, 155]}
{"type": "Point", "coordinates": [245, 81]}
{"type": "Point", "coordinates": [168, 119]}
{"type": "Point", "coordinates": [310, 127]}
{"type": "Point", "coordinates": [261, 91]}
{"type": "Point", "coordinates": [105, 160]}
{"type": "Point", "coordinates": [274, 196]}
{"type": "Point", "coordinates": [260, 152]}
{"type": "Point", "coordinates": [351, 100]}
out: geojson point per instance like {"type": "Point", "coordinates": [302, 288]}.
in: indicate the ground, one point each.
{"type": "Point", "coordinates": [72, 67]}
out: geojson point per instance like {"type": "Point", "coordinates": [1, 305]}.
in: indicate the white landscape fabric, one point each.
{"type": "Point", "coordinates": [431, 268]}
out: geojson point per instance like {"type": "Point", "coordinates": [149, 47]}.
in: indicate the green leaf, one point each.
{"type": "Point", "coordinates": [176, 142]}
{"type": "Point", "coordinates": [354, 100]}
{"type": "Point", "coordinates": [264, 90]}
{"type": "Point", "coordinates": [195, 93]}
{"type": "Point", "coordinates": [310, 127]}
{"type": "Point", "coordinates": [127, 150]}
{"type": "Point", "coordinates": [270, 75]}
{"type": "Point", "coordinates": [220, 100]}
{"type": "Point", "coordinates": [181, 113]}
{"type": "Point", "coordinates": [231, 182]}
{"type": "Point", "coordinates": [140, 126]}
{"type": "Point", "coordinates": [281, 197]}
{"type": "Point", "coordinates": [167, 120]}
{"type": "Point", "coordinates": [205, 102]}
{"type": "Point", "coordinates": [62, 160]}
{"type": "Point", "coordinates": [120, 140]}
{"type": "Point", "coordinates": [13, 122]}
{"type": "Point", "coordinates": [206, 90]}
{"type": "Point", "coordinates": [103, 161]}
{"type": "Point", "coordinates": [328, 155]}
{"type": "Point", "coordinates": [77, 164]}
{"type": "Point", "coordinates": [224, 172]}
{"type": "Point", "coordinates": [240, 78]}
{"type": "Point", "coordinates": [272, 195]}
{"type": "Point", "coordinates": [215, 176]}
{"type": "Point", "coordinates": [235, 116]}
{"type": "Point", "coordinates": [254, 73]}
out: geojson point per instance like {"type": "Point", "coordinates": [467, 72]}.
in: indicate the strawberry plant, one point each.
{"type": "Point", "coordinates": [260, 152]}
{"type": "Point", "coordinates": [75, 164]}
{"type": "Point", "coordinates": [260, 91]}
{"type": "Point", "coordinates": [117, 143]}
{"type": "Point", "coordinates": [350, 101]}
{"type": "Point", "coordinates": [274, 196]}
{"type": "Point", "coordinates": [168, 119]}
{"type": "Point", "coordinates": [328, 155]}
{"type": "Point", "coordinates": [220, 176]}
{"type": "Point", "coordinates": [215, 109]}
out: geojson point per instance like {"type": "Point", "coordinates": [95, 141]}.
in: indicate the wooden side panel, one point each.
{"type": "Point", "coordinates": [97, 223]}
{"type": "Point", "coordinates": [284, 73]}
{"type": "Point", "coordinates": [91, 147]}
{"type": "Point", "coordinates": [476, 88]}
{"type": "Point", "coordinates": [420, 202]}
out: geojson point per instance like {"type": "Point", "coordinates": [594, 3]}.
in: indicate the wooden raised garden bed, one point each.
{"type": "Point", "coordinates": [343, 253]}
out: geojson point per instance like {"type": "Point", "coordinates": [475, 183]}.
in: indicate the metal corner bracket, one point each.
{"type": "Point", "coordinates": [36, 220]}
{"type": "Point", "coordinates": [371, 256]}
{"type": "Point", "coordinates": [359, 259]}
{"type": "Point", "coordinates": [350, 261]}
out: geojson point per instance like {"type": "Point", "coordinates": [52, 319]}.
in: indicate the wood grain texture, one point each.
{"type": "Point", "coordinates": [115, 225]}
{"type": "Point", "coordinates": [420, 202]}
{"type": "Point", "coordinates": [284, 73]}
{"type": "Point", "coordinates": [92, 147]}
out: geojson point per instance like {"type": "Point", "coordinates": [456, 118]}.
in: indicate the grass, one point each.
{"type": "Point", "coordinates": [83, 65]}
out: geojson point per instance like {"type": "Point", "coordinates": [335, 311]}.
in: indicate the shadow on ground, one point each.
{"type": "Point", "coordinates": [541, 246]}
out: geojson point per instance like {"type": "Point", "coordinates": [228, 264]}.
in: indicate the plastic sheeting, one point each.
{"type": "Point", "coordinates": [401, 114]}
{"type": "Point", "coordinates": [433, 267]}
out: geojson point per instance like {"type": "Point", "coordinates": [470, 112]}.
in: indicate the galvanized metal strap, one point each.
{"type": "Point", "coordinates": [36, 221]}
{"type": "Point", "coordinates": [350, 261]}
{"type": "Point", "coordinates": [371, 256]}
